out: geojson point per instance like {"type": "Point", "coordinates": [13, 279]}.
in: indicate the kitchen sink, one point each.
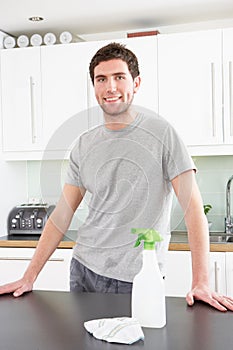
{"type": "Point", "coordinates": [215, 237]}
{"type": "Point", "coordinates": [222, 238]}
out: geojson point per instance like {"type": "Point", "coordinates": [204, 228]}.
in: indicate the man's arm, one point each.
{"type": "Point", "coordinates": [51, 236]}
{"type": "Point", "coordinates": [189, 197]}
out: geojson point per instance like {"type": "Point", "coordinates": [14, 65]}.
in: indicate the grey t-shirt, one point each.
{"type": "Point", "coordinates": [127, 174]}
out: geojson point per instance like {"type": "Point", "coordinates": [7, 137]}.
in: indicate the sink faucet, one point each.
{"type": "Point", "coordinates": [228, 221]}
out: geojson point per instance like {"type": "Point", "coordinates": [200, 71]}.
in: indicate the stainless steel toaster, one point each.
{"type": "Point", "coordinates": [28, 218]}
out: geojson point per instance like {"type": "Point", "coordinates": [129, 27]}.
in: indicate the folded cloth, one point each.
{"type": "Point", "coordinates": [123, 330]}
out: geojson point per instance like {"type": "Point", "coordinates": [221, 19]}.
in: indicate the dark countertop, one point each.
{"type": "Point", "coordinates": [44, 320]}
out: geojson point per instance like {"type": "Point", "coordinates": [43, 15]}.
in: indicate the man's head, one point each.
{"type": "Point", "coordinates": [115, 51]}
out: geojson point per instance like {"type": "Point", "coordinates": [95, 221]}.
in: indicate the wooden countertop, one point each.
{"type": "Point", "coordinates": [176, 244]}
{"type": "Point", "coordinates": [31, 241]}
{"type": "Point", "coordinates": [214, 247]}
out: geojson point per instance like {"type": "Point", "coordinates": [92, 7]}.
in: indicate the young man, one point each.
{"type": "Point", "coordinates": [130, 166]}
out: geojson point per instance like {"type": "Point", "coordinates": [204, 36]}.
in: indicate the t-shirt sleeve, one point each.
{"type": "Point", "coordinates": [176, 158]}
{"type": "Point", "coordinates": [73, 176]}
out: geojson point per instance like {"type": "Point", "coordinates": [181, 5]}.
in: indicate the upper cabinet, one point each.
{"type": "Point", "coordinates": [228, 84]}
{"type": "Point", "coordinates": [64, 95]}
{"type": "Point", "coordinates": [48, 99]}
{"type": "Point", "coordinates": [190, 85]}
{"type": "Point", "coordinates": [21, 99]}
{"type": "Point", "coordinates": [194, 88]}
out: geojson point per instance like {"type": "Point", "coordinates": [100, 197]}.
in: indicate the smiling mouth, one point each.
{"type": "Point", "coordinates": [112, 99]}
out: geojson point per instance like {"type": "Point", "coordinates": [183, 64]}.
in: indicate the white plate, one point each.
{"type": "Point", "coordinates": [49, 39]}
{"type": "Point", "coordinates": [36, 40]}
{"type": "Point", "coordinates": [22, 41]}
{"type": "Point", "coordinates": [9, 42]}
{"type": "Point", "coordinates": [65, 37]}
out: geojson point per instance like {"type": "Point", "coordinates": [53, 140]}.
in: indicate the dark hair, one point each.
{"type": "Point", "coordinates": [115, 51]}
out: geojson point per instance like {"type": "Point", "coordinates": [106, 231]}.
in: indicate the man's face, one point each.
{"type": "Point", "coordinates": [114, 86]}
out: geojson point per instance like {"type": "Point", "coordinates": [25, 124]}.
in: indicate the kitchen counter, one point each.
{"type": "Point", "coordinates": [30, 241]}
{"type": "Point", "coordinates": [43, 320]}
{"type": "Point", "coordinates": [179, 241]}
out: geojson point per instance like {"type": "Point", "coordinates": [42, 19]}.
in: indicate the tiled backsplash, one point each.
{"type": "Point", "coordinates": [212, 176]}
{"type": "Point", "coordinates": [46, 181]}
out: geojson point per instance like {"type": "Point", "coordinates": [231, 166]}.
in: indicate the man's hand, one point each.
{"type": "Point", "coordinates": [219, 302]}
{"type": "Point", "coordinates": [17, 288]}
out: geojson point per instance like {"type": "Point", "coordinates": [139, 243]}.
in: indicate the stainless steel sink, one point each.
{"type": "Point", "coordinates": [215, 237]}
{"type": "Point", "coordinates": [222, 238]}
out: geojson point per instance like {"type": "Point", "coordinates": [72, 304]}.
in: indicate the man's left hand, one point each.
{"type": "Point", "coordinates": [219, 302]}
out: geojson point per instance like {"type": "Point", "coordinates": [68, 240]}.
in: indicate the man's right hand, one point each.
{"type": "Point", "coordinates": [17, 288]}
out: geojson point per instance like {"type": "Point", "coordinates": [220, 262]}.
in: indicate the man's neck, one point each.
{"type": "Point", "coordinates": [120, 121]}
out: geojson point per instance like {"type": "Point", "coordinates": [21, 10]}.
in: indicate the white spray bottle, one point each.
{"type": "Point", "coordinates": [148, 295]}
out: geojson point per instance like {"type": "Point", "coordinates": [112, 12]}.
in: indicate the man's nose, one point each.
{"type": "Point", "coordinates": [111, 85]}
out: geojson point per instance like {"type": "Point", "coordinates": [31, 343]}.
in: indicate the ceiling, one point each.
{"type": "Point", "coordinates": [90, 16]}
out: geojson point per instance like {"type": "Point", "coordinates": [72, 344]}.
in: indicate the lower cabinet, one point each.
{"type": "Point", "coordinates": [229, 274]}
{"type": "Point", "coordinates": [179, 273]}
{"type": "Point", "coordinates": [54, 275]}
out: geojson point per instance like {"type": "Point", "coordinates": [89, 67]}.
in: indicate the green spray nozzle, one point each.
{"type": "Point", "coordinates": [149, 236]}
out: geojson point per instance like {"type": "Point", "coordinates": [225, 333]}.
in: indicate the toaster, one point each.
{"type": "Point", "coordinates": [28, 218]}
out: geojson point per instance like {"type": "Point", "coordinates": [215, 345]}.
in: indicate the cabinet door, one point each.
{"type": "Point", "coordinates": [190, 85]}
{"type": "Point", "coordinates": [178, 273]}
{"type": "Point", "coordinates": [217, 272]}
{"type": "Point", "coordinates": [228, 84]}
{"type": "Point", "coordinates": [229, 274]}
{"type": "Point", "coordinates": [64, 94]}
{"type": "Point", "coordinates": [54, 276]}
{"type": "Point", "coordinates": [21, 99]}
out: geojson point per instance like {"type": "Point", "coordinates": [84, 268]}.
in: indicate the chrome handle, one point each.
{"type": "Point", "coordinates": [230, 99]}
{"type": "Point", "coordinates": [32, 99]}
{"type": "Point", "coordinates": [213, 99]}
{"type": "Point", "coordinates": [27, 259]}
{"type": "Point", "coordinates": [216, 276]}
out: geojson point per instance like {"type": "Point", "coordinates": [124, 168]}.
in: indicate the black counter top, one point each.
{"type": "Point", "coordinates": [54, 321]}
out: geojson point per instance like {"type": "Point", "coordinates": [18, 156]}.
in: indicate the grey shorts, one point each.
{"type": "Point", "coordinates": [84, 280]}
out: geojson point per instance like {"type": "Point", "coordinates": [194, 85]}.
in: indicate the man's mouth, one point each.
{"type": "Point", "coordinates": [112, 99]}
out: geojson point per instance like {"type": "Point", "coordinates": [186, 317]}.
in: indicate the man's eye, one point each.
{"type": "Point", "coordinates": [120, 77]}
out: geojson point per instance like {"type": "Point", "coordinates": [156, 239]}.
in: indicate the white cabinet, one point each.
{"type": "Point", "coordinates": [21, 99]}
{"type": "Point", "coordinates": [64, 94]}
{"type": "Point", "coordinates": [229, 273]}
{"type": "Point", "coordinates": [217, 272]}
{"type": "Point", "coordinates": [228, 84]}
{"type": "Point", "coordinates": [190, 85]}
{"type": "Point", "coordinates": [178, 279]}
{"type": "Point", "coordinates": [54, 276]}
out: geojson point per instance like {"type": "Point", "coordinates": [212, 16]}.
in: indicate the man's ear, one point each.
{"type": "Point", "coordinates": [137, 82]}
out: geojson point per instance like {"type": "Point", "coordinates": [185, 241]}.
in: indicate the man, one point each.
{"type": "Point", "coordinates": [129, 165]}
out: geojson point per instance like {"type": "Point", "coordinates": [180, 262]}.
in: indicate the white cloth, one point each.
{"type": "Point", "coordinates": [123, 330]}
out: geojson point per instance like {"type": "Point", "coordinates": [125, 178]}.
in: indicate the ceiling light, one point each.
{"type": "Point", "coordinates": [36, 19]}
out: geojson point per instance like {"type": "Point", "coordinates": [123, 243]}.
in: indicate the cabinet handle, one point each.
{"type": "Point", "coordinates": [230, 98]}
{"type": "Point", "coordinates": [27, 259]}
{"type": "Point", "coordinates": [213, 99]}
{"type": "Point", "coordinates": [32, 99]}
{"type": "Point", "coordinates": [216, 276]}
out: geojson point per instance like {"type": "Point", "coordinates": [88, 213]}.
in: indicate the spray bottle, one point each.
{"type": "Point", "coordinates": [148, 294]}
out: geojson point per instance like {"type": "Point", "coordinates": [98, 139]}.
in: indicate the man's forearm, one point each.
{"type": "Point", "coordinates": [199, 246]}
{"type": "Point", "coordinates": [47, 244]}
